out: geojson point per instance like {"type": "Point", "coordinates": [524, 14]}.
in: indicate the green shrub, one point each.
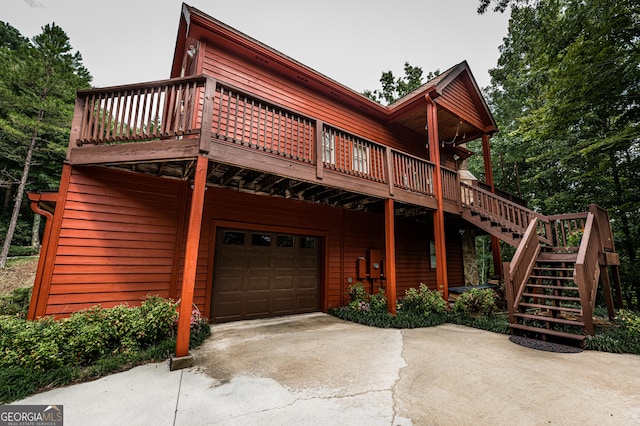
{"type": "Point", "coordinates": [15, 251]}
{"type": "Point", "coordinates": [423, 301]}
{"type": "Point", "coordinates": [89, 343]}
{"type": "Point", "coordinates": [386, 320]}
{"type": "Point", "coordinates": [16, 302]}
{"type": "Point", "coordinates": [363, 301]}
{"type": "Point", "coordinates": [482, 301]}
{"type": "Point", "coordinates": [621, 337]}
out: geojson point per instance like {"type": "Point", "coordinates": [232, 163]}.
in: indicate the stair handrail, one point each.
{"type": "Point", "coordinates": [587, 269]}
{"type": "Point", "coordinates": [504, 212]}
{"type": "Point", "coordinates": [517, 271]}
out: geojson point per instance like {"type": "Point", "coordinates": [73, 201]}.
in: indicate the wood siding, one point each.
{"type": "Point", "coordinates": [248, 75]}
{"type": "Point", "coordinates": [117, 240]}
{"type": "Point", "coordinates": [121, 237]}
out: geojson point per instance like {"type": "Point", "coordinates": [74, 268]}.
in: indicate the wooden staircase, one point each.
{"type": "Point", "coordinates": [550, 285]}
{"type": "Point", "coordinates": [550, 300]}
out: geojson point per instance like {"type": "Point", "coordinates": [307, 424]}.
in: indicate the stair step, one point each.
{"type": "Point", "coordinates": [557, 257]}
{"type": "Point", "coordinates": [551, 277]}
{"type": "Point", "coordinates": [554, 287]}
{"type": "Point", "coordinates": [549, 268]}
{"type": "Point", "coordinates": [550, 319]}
{"type": "Point", "coordinates": [550, 307]}
{"type": "Point", "coordinates": [552, 297]}
{"type": "Point", "coordinates": [548, 332]}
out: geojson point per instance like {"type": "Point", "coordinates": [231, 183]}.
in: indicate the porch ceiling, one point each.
{"type": "Point", "coordinates": [256, 182]}
{"type": "Point", "coordinates": [452, 130]}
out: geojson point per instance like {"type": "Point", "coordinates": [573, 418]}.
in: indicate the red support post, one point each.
{"type": "Point", "coordinates": [191, 257]}
{"type": "Point", "coordinates": [438, 216]}
{"type": "Point", "coordinates": [390, 255]}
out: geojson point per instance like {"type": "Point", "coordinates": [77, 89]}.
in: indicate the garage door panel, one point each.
{"type": "Point", "coordinates": [258, 284]}
{"type": "Point", "coordinates": [230, 284]}
{"type": "Point", "coordinates": [283, 283]}
{"type": "Point", "coordinates": [285, 261]}
{"type": "Point", "coordinates": [283, 305]}
{"type": "Point", "coordinates": [261, 274]}
{"type": "Point", "coordinates": [309, 283]}
{"type": "Point", "coordinates": [309, 262]}
{"type": "Point", "coordinates": [258, 305]}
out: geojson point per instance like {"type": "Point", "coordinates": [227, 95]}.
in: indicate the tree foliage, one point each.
{"type": "Point", "coordinates": [566, 96]}
{"type": "Point", "coordinates": [395, 88]}
{"type": "Point", "coordinates": [38, 83]}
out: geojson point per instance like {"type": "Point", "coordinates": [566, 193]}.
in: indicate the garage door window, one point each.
{"type": "Point", "coordinates": [285, 240]}
{"type": "Point", "coordinates": [233, 238]}
{"type": "Point", "coordinates": [308, 242]}
{"type": "Point", "coordinates": [263, 240]}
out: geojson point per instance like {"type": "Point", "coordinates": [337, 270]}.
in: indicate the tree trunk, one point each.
{"type": "Point", "coordinates": [19, 195]}
{"type": "Point", "coordinates": [7, 197]}
{"type": "Point", "coordinates": [35, 231]}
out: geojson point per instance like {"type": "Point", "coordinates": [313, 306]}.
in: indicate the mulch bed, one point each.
{"type": "Point", "coordinates": [544, 346]}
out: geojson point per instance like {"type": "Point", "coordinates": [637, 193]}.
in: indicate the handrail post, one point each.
{"type": "Point", "coordinates": [319, 149]}
{"type": "Point", "coordinates": [388, 155]}
{"type": "Point", "coordinates": [77, 125]}
{"type": "Point", "coordinates": [207, 114]}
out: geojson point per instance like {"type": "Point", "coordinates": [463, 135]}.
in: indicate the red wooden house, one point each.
{"type": "Point", "coordinates": [253, 186]}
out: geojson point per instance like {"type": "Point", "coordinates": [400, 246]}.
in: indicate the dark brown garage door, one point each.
{"type": "Point", "coordinates": [264, 274]}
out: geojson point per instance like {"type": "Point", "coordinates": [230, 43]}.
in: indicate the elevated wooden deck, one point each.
{"type": "Point", "coordinates": [253, 145]}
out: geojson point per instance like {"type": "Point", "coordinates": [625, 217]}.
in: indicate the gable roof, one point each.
{"type": "Point", "coordinates": [455, 89]}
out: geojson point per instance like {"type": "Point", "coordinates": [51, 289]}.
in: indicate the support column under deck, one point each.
{"type": "Point", "coordinates": [390, 255]}
{"type": "Point", "coordinates": [438, 215]}
{"type": "Point", "coordinates": [182, 359]}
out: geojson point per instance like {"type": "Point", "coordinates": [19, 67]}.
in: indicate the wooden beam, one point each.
{"type": "Point", "coordinates": [191, 257]}
{"type": "Point", "coordinates": [488, 173]}
{"type": "Point", "coordinates": [390, 255]}
{"type": "Point", "coordinates": [442, 280]}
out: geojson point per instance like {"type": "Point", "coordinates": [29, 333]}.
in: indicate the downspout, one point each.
{"type": "Point", "coordinates": [438, 216]}
{"type": "Point", "coordinates": [35, 199]}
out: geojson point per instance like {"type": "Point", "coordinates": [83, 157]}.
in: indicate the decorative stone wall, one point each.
{"type": "Point", "coordinates": [469, 258]}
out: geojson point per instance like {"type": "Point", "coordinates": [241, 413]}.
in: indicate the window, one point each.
{"type": "Point", "coordinates": [329, 148]}
{"type": "Point", "coordinates": [263, 240]}
{"type": "Point", "coordinates": [233, 238]}
{"type": "Point", "coordinates": [308, 242]}
{"type": "Point", "coordinates": [360, 158]}
{"type": "Point", "coordinates": [285, 241]}
{"type": "Point", "coordinates": [432, 252]}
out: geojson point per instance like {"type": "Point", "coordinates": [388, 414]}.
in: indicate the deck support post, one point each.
{"type": "Point", "coordinates": [390, 255]}
{"type": "Point", "coordinates": [438, 216]}
{"type": "Point", "coordinates": [191, 261]}
{"type": "Point", "coordinates": [488, 173]}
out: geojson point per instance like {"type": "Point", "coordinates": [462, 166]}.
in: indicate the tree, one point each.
{"type": "Point", "coordinates": [395, 88]}
{"type": "Point", "coordinates": [566, 96]}
{"type": "Point", "coordinates": [37, 93]}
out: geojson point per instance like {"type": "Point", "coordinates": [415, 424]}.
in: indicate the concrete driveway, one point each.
{"type": "Point", "coordinates": [318, 370]}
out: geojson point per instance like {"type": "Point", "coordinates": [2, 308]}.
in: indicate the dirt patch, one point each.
{"type": "Point", "coordinates": [19, 272]}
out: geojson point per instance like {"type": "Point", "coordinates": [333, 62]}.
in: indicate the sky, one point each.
{"type": "Point", "coordinates": [350, 41]}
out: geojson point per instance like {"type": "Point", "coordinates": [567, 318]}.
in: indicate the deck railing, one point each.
{"type": "Point", "coordinates": [173, 109]}
{"type": "Point", "coordinates": [138, 112]}
{"type": "Point", "coordinates": [252, 122]}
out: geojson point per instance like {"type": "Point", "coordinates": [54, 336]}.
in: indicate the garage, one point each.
{"type": "Point", "coordinates": [261, 274]}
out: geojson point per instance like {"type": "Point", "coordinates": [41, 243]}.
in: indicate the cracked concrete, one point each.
{"type": "Point", "coordinates": [317, 370]}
